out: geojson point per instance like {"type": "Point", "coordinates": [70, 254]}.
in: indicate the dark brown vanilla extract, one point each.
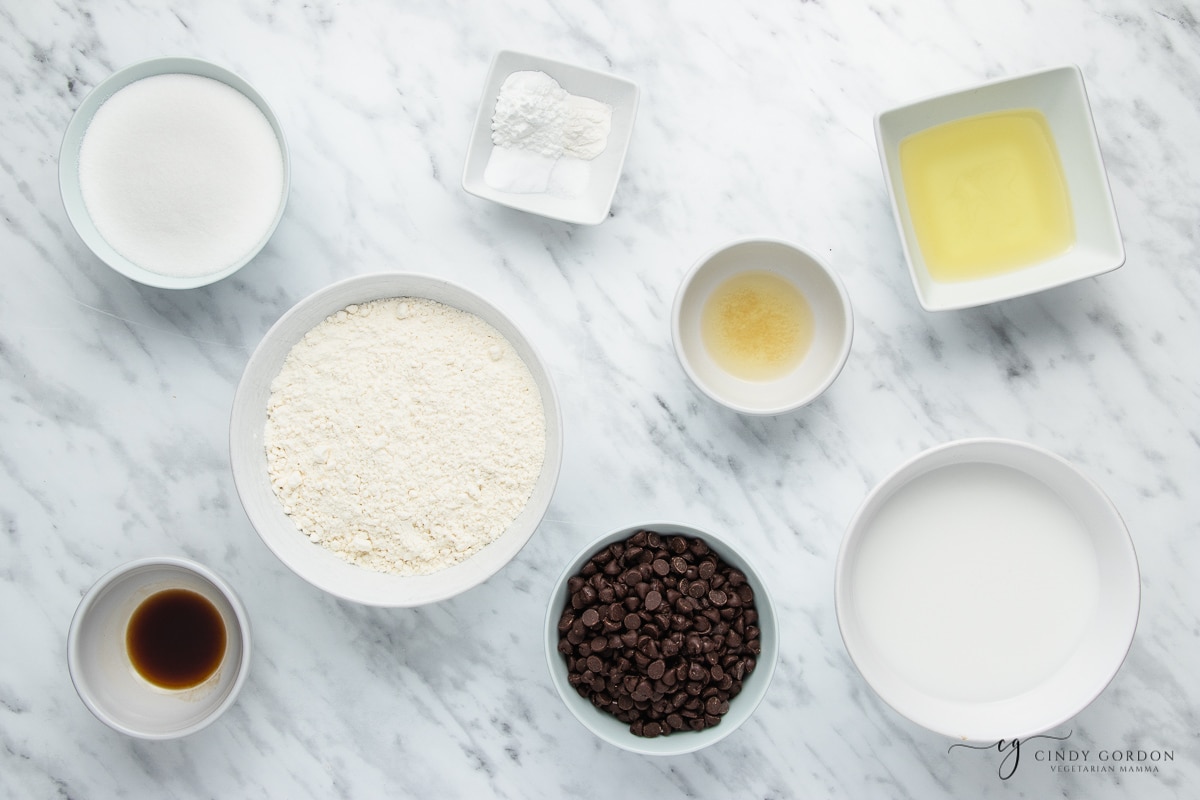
{"type": "Point", "coordinates": [176, 639]}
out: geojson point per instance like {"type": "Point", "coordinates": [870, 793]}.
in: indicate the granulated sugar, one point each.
{"type": "Point", "coordinates": [181, 174]}
{"type": "Point", "coordinates": [404, 435]}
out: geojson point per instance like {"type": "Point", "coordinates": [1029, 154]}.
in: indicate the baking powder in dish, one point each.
{"type": "Point", "coordinates": [404, 435]}
{"type": "Point", "coordinates": [544, 137]}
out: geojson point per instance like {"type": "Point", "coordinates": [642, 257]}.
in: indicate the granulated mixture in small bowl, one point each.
{"type": "Point", "coordinates": [174, 171]}
{"type": "Point", "coordinates": [404, 435]}
{"type": "Point", "coordinates": [182, 174]}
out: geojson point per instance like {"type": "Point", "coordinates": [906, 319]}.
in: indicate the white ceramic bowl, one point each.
{"type": "Point", "coordinates": [68, 167]}
{"type": "Point", "coordinates": [754, 688]}
{"type": "Point", "coordinates": [314, 563]}
{"type": "Point", "coordinates": [821, 287]}
{"type": "Point", "coordinates": [987, 590]}
{"type": "Point", "coordinates": [104, 675]}
{"type": "Point", "coordinates": [1060, 96]}
{"type": "Point", "coordinates": [590, 206]}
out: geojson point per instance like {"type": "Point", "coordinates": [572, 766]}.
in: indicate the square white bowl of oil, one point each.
{"type": "Point", "coordinates": [762, 326]}
{"type": "Point", "coordinates": [999, 190]}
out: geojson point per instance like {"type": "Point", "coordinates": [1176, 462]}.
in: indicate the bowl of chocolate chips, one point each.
{"type": "Point", "coordinates": [661, 638]}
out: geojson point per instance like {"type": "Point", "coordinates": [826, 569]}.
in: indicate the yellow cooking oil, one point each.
{"type": "Point", "coordinates": [986, 194]}
{"type": "Point", "coordinates": [756, 325]}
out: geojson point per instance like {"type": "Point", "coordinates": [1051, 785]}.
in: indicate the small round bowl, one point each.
{"type": "Point", "coordinates": [104, 675]}
{"type": "Point", "coordinates": [617, 733]}
{"type": "Point", "coordinates": [68, 167]}
{"type": "Point", "coordinates": [832, 317]}
{"type": "Point", "coordinates": [314, 563]}
{"type": "Point", "coordinates": [987, 590]}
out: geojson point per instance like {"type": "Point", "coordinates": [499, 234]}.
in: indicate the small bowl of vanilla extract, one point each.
{"type": "Point", "coordinates": [762, 326]}
{"type": "Point", "coordinates": [159, 648]}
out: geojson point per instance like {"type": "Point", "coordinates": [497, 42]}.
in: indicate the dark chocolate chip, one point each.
{"type": "Point", "coordinates": [653, 600]}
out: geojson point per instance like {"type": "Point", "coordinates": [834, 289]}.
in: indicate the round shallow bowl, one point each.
{"type": "Point", "coordinates": [833, 326]}
{"type": "Point", "coordinates": [987, 590]}
{"type": "Point", "coordinates": [754, 687]}
{"type": "Point", "coordinates": [314, 563]}
{"type": "Point", "coordinates": [68, 168]}
{"type": "Point", "coordinates": [104, 675]}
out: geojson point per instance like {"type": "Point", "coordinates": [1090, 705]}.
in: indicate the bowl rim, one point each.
{"type": "Point", "coordinates": [681, 742]}
{"type": "Point", "coordinates": [97, 591]}
{"type": "Point", "coordinates": [569, 210]}
{"type": "Point", "coordinates": [1070, 73]}
{"type": "Point", "coordinates": [68, 164]}
{"type": "Point", "coordinates": [909, 470]}
{"type": "Point", "coordinates": [437, 589]}
{"type": "Point", "coordinates": [844, 348]}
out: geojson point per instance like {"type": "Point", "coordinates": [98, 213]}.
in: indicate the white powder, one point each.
{"type": "Point", "coordinates": [181, 174]}
{"type": "Point", "coordinates": [526, 172]}
{"type": "Point", "coordinates": [404, 435]}
{"type": "Point", "coordinates": [543, 136]}
{"type": "Point", "coordinates": [534, 113]}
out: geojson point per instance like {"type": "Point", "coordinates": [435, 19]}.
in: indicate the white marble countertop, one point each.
{"type": "Point", "coordinates": [754, 119]}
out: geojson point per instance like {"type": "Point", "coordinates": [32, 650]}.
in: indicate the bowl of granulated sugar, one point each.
{"type": "Point", "coordinates": [395, 439]}
{"type": "Point", "coordinates": [174, 172]}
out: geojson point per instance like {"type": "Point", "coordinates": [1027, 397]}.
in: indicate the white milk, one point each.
{"type": "Point", "coordinates": [975, 582]}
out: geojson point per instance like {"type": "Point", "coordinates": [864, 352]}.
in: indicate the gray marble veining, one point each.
{"type": "Point", "coordinates": [755, 119]}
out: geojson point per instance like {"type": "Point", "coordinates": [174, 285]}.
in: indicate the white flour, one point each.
{"type": "Point", "coordinates": [544, 137]}
{"type": "Point", "coordinates": [404, 435]}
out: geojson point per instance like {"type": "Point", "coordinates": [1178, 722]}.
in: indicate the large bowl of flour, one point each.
{"type": "Point", "coordinates": [395, 439]}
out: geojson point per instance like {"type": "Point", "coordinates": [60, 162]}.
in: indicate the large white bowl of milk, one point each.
{"type": "Point", "coordinates": [987, 590]}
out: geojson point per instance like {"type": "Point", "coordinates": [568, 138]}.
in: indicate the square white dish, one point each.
{"type": "Point", "coordinates": [591, 205]}
{"type": "Point", "coordinates": [1059, 94]}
